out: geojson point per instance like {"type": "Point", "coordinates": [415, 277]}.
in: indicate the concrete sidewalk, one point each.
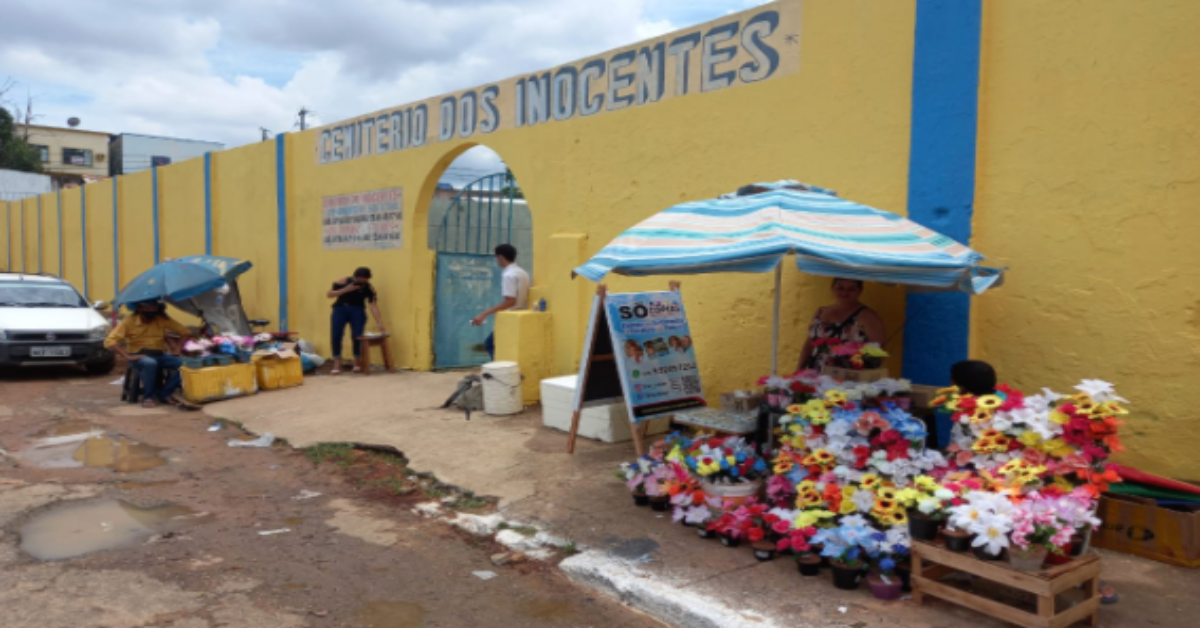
{"type": "Point", "coordinates": [650, 563]}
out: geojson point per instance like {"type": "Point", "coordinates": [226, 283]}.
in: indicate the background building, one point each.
{"type": "Point", "coordinates": [18, 185]}
{"type": "Point", "coordinates": [132, 152]}
{"type": "Point", "coordinates": [70, 155]}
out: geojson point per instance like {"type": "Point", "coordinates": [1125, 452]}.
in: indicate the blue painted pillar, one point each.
{"type": "Point", "coordinates": [281, 226]}
{"type": "Point", "coordinates": [208, 235]}
{"type": "Point", "coordinates": [941, 178]}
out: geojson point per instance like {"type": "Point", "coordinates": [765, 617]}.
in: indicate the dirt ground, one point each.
{"type": "Point", "coordinates": [184, 530]}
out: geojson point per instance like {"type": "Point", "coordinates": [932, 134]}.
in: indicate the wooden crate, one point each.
{"type": "Point", "coordinates": [931, 561]}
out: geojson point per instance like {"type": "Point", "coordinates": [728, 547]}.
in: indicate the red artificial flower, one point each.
{"type": "Point", "coordinates": [862, 454]}
{"type": "Point", "coordinates": [967, 404]}
{"type": "Point", "coordinates": [1013, 398]}
{"type": "Point", "coordinates": [756, 534]}
{"type": "Point", "coordinates": [897, 450]}
{"type": "Point", "coordinates": [781, 527]}
{"type": "Point", "coordinates": [800, 387]}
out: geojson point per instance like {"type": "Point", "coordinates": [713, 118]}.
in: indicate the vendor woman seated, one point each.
{"type": "Point", "coordinates": [144, 336]}
{"type": "Point", "coordinates": [847, 319]}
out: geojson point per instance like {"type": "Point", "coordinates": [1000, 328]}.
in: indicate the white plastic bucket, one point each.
{"type": "Point", "coordinates": [502, 388]}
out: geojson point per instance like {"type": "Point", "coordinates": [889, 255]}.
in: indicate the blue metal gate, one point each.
{"type": "Point", "coordinates": [479, 218]}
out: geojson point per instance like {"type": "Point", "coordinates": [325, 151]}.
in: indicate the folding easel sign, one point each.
{"type": "Point", "coordinates": [639, 350]}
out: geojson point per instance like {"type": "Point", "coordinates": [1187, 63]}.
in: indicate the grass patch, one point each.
{"type": "Point", "coordinates": [339, 453]}
{"type": "Point", "coordinates": [570, 549]}
{"type": "Point", "coordinates": [469, 501]}
{"type": "Point", "coordinates": [524, 530]}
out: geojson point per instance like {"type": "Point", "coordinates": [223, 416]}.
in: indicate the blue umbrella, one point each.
{"type": "Point", "coordinates": [228, 267]}
{"type": "Point", "coordinates": [174, 280]}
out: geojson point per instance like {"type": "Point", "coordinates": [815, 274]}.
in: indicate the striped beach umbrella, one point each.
{"type": "Point", "coordinates": [750, 231]}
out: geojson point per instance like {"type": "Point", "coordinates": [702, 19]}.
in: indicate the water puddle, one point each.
{"type": "Point", "coordinates": [70, 427]}
{"type": "Point", "coordinates": [78, 445]}
{"type": "Point", "coordinates": [74, 529]}
{"type": "Point", "coordinates": [120, 455]}
{"type": "Point", "coordinates": [391, 615]}
{"type": "Point", "coordinates": [547, 609]}
{"type": "Point", "coordinates": [131, 486]}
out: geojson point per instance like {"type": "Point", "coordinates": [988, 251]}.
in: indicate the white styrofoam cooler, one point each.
{"type": "Point", "coordinates": [608, 423]}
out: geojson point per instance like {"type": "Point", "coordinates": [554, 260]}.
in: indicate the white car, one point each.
{"type": "Point", "coordinates": [44, 321]}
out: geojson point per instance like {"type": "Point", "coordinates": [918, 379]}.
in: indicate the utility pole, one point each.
{"type": "Point", "coordinates": [266, 134]}
{"type": "Point", "coordinates": [304, 113]}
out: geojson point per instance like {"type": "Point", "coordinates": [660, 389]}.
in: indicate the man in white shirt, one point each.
{"type": "Point", "coordinates": [514, 289]}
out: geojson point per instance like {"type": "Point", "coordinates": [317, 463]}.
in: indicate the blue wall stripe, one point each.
{"type": "Point", "coordinates": [83, 238]}
{"type": "Point", "coordinates": [941, 177]}
{"type": "Point", "coordinates": [116, 241]}
{"type": "Point", "coordinates": [281, 225]}
{"type": "Point", "coordinates": [154, 205]}
{"type": "Point", "coordinates": [208, 203]}
{"type": "Point", "coordinates": [61, 256]}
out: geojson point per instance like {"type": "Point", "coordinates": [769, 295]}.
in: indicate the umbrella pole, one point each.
{"type": "Point", "coordinates": [775, 333]}
{"type": "Point", "coordinates": [775, 351]}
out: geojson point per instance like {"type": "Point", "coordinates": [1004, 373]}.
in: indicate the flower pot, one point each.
{"type": "Point", "coordinates": [659, 503]}
{"type": "Point", "coordinates": [1053, 558]}
{"type": "Point", "coordinates": [737, 493]}
{"type": "Point", "coordinates": [846, 577]}
{"type": "Point", "coordinates": [1080, 542]}
{"type": "Point", "coordinates": [904, 571]}
{"type": "Point", "coordinates": [809, 565]}
{"type": "Point", "coordinates": [956, 540]}
{"type": "Point", "coordinates": [704, 533]}
{"type": "Point", "coordinates": [885, 587]}
{"type": "Point", "coordinates": [687, 524]}
{"type": "Point", "coordinates": [641, 499]}
{"type": "Point", "coordinates": [764, 551]}
{"type": "Point", "coordinates": [1028, 559]}
{"type": "Point", "coordinates": [982, 554]}
{"type": "Point", "coordinates": [729, 540]}
{"type": "Point", "coordinates": [922, 527]}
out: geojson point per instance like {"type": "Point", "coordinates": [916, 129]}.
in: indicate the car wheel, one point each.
{"type": "Point", "coordinates": [103, 367]}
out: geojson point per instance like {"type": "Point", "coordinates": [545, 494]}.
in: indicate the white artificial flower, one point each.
{"type": "Point", "coordinates": [928, 505]}
{"type": "Point", "coordinates": [944, 494]}
{"type": "Point", "coordinates": [864, 500]}
{"type": "Point", "coordinates": [992, 533]}
{"type": "Point", "coordinates": [1051, 396]}
{"type": "Point", "coordinates": [856, 521]}
{"type": "Point", "coordinates": [898, 535]}
{"type": "Point", "coordinates": [1098, 390]}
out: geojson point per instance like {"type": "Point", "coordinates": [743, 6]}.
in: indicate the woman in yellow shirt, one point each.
{"type": "Point", "coordinates": [144, 334]}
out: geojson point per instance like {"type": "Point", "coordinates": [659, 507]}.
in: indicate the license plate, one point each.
{"type": "Point", "coordinates": [50, 352]}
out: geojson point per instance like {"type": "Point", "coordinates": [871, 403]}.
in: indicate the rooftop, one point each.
{"type": "Point", "coordinates": [68, 129]}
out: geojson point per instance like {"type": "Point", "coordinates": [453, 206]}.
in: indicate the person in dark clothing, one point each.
{"type": "Point", "coordinates": [353, 295]}
{"type": "Point", "coordinates": [847, 320]}
{"type": "Point", "coordinates": [974, 377]}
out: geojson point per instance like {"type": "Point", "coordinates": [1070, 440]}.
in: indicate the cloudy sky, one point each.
{"type": "Point", "coordinates": [221, 69]}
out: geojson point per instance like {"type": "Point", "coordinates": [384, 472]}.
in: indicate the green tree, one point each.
{"type": "Point", "coordinates": [511, 187]}
{"type": "Point", "coordinates": [15, 152]}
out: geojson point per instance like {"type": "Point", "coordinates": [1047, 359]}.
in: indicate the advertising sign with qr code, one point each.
{"type": "Point", "coordinates": [655, 355]}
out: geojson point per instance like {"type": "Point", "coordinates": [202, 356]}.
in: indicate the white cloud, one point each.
{"type": "Point", "coordinates": [220, 69]}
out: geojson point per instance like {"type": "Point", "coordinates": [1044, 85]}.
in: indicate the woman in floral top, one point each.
{"type": "Point", "coordinates": [847, 320]}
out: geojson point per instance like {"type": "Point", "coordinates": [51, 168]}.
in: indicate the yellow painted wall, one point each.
{"type": "Point", "coordinates": [50, 234]}
{"type": "Point", "coordinates": [1088, 189]}
{"type": "Point", "coordinates": [181, 208]}
{"type": "Point", "coordinates": [5, 234]}
{"type": "Point", "coordinates": [100, 240]}
{"type": "Point", "coordinates": [72, 234]}
{"type": "Point", "coordinates": [598, 176]}
{"type": "Point", "coordinates": [136, 224]}
{"type": "Point", "coordinates": [244, 223]}
{"type": "Point", "coordinates": [30, 240]}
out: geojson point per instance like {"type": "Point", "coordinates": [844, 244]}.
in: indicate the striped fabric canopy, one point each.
{"type": "Point", "coordinates": [829, 236]}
